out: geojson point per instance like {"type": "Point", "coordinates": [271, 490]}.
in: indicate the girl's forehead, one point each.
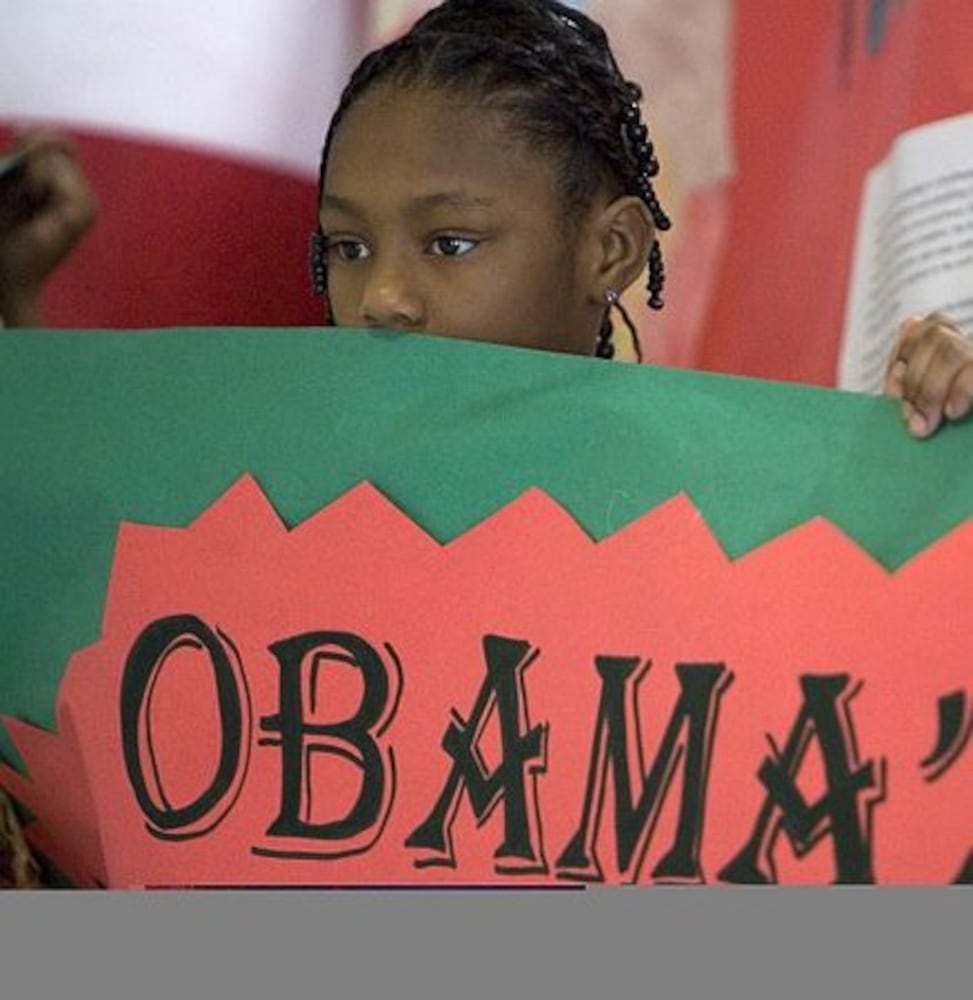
{"type": "Point", "coordinates": [430, 109]}
{"type": "Point", "coordinates": [396, 136]}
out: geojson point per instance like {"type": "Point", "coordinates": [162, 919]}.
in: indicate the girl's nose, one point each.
{"type": "Point", "coordinates": [391, 298]}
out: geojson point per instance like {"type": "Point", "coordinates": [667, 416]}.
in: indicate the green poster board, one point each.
{"type": "Point", "coordinates": [151, 427]}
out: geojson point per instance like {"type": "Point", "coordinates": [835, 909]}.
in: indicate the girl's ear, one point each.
{"type": "Point", "coordinates": [621, 238]}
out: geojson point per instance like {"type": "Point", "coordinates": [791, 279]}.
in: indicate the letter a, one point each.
{"type": "Point", "coordinates": [512, 781]}
{"type": "Point", "coordinates": [842, 811]}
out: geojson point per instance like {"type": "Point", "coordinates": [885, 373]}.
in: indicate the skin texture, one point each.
{"type": "Point", "coordinates": [441, 220]}
{"type": "Point", "coordinates": [43, 215]}
{"type": "Point", "coordinates": [931, 372]}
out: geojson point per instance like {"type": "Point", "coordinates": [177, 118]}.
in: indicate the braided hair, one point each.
{"type": "Point", "coordinates": [551, 70]}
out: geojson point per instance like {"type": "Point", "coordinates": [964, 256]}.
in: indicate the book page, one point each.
{"type": "Point", "coordinates": [914, 249]}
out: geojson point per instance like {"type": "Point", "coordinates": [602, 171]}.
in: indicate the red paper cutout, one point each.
{"type": "Point", "coordinates": [880, 720]}
{"type": "Point", "coordinates": [66, 825]}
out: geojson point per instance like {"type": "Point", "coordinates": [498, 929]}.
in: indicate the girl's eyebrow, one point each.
{"type": "Point", "coordinates": [422, 203]}
{"type": "Point", "coordinates": [339, 204]}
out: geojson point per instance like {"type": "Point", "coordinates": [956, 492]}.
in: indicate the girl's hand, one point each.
{"type": "Point", "coordinates": [46, 206]}
{"type": "Point", "coordinates": [931, 372]}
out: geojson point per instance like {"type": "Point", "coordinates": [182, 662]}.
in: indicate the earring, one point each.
{"type": "Point", "coordinates": [604, 345]}
{"type": "Point", "coordinates": [613, 301]}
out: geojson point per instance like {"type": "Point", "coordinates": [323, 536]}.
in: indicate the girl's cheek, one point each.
{"type": "Point", "coordinates": [342, 300]}
{"type": "Point", "coordinates": [340, 316]}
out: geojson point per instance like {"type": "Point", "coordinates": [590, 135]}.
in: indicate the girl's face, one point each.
{"type": "Point", "coordinates": [438, 220]}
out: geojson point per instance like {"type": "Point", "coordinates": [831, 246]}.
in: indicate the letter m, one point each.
{"type": "Point", "coordinates": [687, 742]}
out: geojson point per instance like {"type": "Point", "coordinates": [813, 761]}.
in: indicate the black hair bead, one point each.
{"type": "Point", "coordinates": [318, 264]}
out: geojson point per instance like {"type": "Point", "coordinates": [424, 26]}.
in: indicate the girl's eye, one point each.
{"type": "Point", "coordinates": [349, 251]}
{"type": "Point", "coordinates": [451, 246]}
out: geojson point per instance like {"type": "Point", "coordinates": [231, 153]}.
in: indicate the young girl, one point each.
{"type": "Point", "coordinates": [488, 176]}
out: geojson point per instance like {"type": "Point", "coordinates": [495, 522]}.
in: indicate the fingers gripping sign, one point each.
{"type": "Point", "coordinates": [931, 372]}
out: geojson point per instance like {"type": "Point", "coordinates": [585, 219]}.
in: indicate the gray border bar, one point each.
{"type": "Point", "coordinates": [657, 942]}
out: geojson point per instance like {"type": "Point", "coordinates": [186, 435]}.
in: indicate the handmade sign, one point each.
{"type": "Point", "coordinates": [344, 698]}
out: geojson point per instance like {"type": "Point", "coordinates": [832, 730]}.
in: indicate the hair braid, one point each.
{"type": "Point", "coordinates": [551, 70]}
